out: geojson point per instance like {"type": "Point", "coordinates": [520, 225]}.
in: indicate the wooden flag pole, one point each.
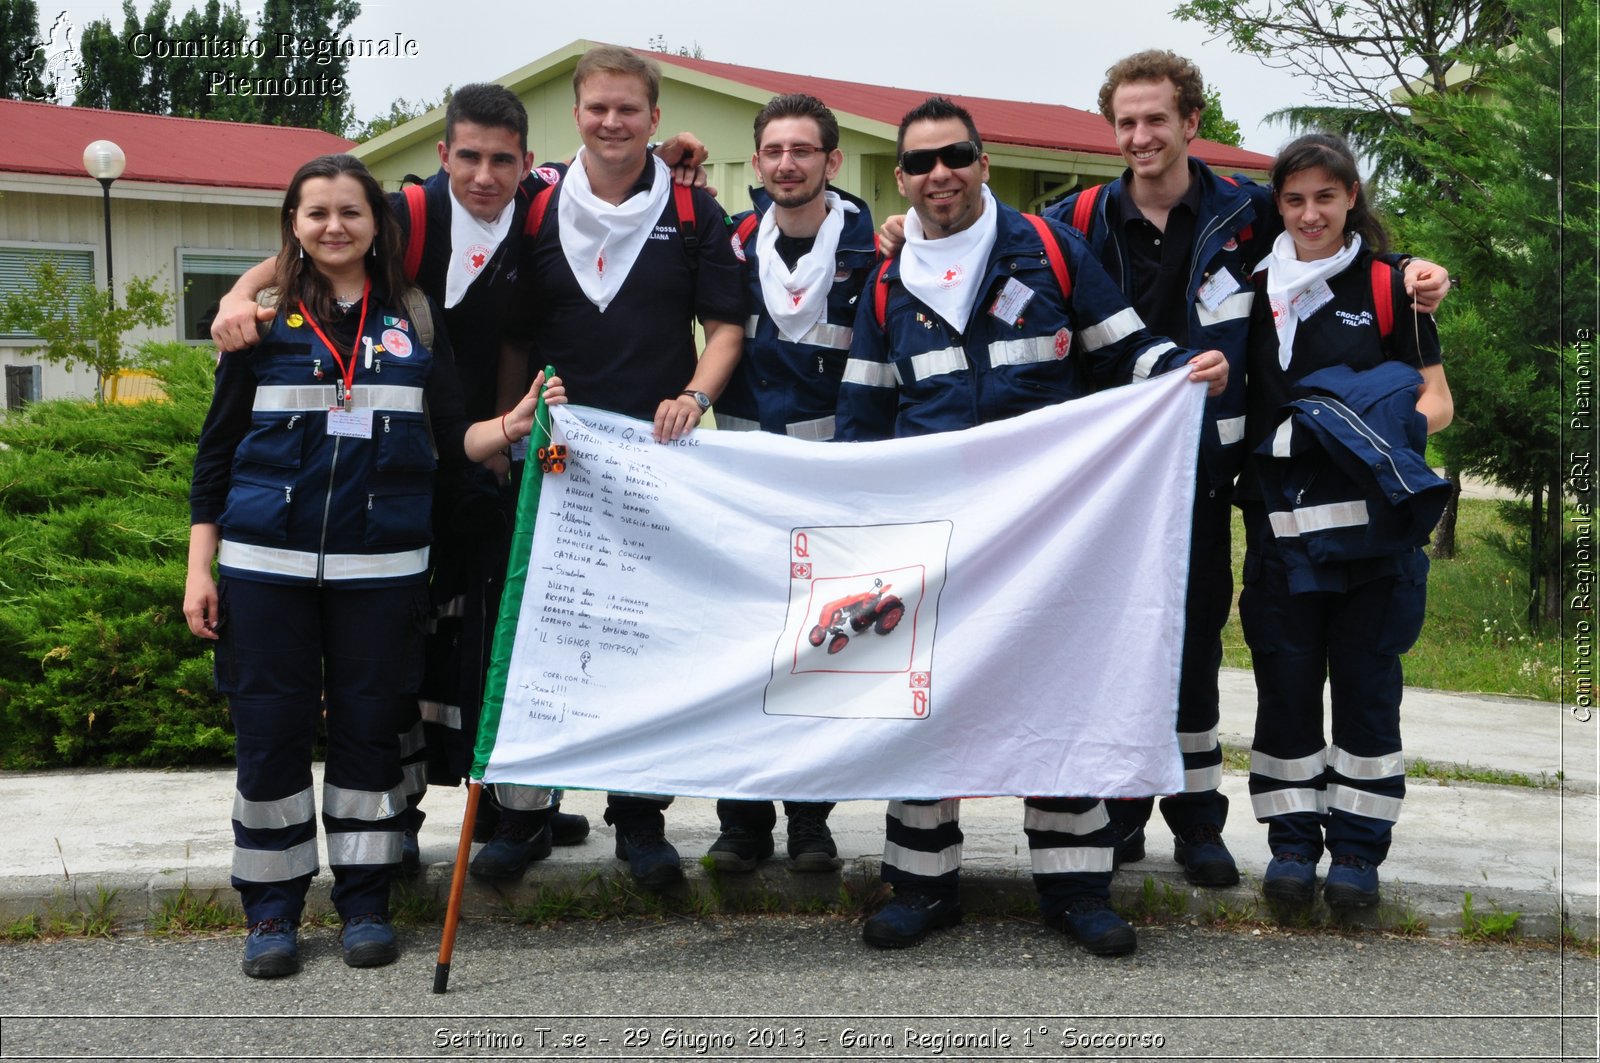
{"type": "Point", "coordinates": [458, 883]}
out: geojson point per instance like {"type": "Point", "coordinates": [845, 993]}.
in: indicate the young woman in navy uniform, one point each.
{"type": "Point", "coordinates": [1326, 595]}
{"type": "Point", "coordinates": [312, 490]}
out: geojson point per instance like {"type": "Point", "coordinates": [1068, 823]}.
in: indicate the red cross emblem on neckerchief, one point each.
{"type": "Point", "coordinates": [795, 297]}
{"type": "Point", "coordinates": [600, 264]}
{"type": "Point", "coordinates": [950, 275]}
{"type": "Point", "coordinates": [478, 260]}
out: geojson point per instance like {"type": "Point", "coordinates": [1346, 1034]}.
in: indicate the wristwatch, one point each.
{"type": "Point", "coordinates": [700, 398]}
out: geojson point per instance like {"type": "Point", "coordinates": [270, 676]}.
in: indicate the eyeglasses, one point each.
{"type": "Point", "coordinates": [799, 152]}
{"type": "Point", "coordinates": [955, 156]}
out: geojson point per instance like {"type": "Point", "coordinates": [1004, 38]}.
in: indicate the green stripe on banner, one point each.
{"type": "Point", "coordinates": [505, 630]}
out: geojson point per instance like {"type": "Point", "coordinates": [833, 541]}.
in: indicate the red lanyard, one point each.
{"type": "Point", "coordinates": [349, 371]}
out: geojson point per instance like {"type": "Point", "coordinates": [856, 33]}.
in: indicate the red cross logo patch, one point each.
{"type": "Point", "coordinates": [600, 265]}
{"type": "Point", "coordinates": [475, 258]}
{"type": "Point", "coordinates": [950, 277]}
{"type": "Point", "coordinates": [1063, 343]}
{"type": "Point", "coordinates": [920, 680]}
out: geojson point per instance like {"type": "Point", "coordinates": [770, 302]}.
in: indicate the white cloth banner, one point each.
{"type": "Point", "coordinates": [746, 615]}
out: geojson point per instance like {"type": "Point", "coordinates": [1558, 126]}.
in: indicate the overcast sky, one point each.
{"type": "Point", "coordinates": [1015, 49]}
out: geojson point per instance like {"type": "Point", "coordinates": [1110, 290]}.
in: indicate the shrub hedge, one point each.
{"type": "Point", "coordinates": [97, 666]}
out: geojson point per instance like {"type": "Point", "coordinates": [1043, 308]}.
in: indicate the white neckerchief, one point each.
{"type": "Point", "coordinates": [798, 298]}
{"type": "Point", "coordinates": [1287, 277]}
{"type": "Point", "coordinates": [947, 273]}
{"type": "Point", "coordinates": [472, 244]}
{"type": "Point", "coordinates": [602, 240]}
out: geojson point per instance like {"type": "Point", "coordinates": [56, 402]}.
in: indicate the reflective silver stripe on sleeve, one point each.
{"type": "Point", "coordinates": [1200, 780]}
{"type": "Point", "coordinates": [728, 423]}
{"type": "Point", "coordinates": [369, 806]}
{"type": "Point", "coordinates": [274, 865]}
{"type": "Point", "coordinates": [274, 815]}
{"type": "Point", "coordinates": [1066, 822]}
{"type": "Point", "coordinates": [936, 363]}
{"type": "Point", "coordinates": [1071, 859]}
{"type": "Point", "coordinates": [1291, 524]}
{"type": "Point", "coordinates": [1023, 352]}
{"type": "Point", "coordinates": [1147, 361]}
{"type": "Point", "coordinates": [412, 741]}
{"type": "Point", "coordinates": [440, 713]}
{"type": "Point", "coordinates": [1230, 430]}
{"type": "Point", "coordinates": [1197, 741]}
{"type": "Point", "coordinates": [819, 430]}
{"type": "Point", "coordinates": [1353, 767]}
{"type": "Point", "coordinates": [308, 398]}
{"type": "Point", "coordinates": [928, 865]}
{"type": "Point", "coordinates": [1232, 308]}
{"type": "Point", "coordinates": [1301, 769]}
{"type": "Point", "coordinates": [1122, 324]}
{"type": "Point", "coordinates": [416, 778]}
{"type": "Point", "coordinates": [870, 374]}
{"type": "Point", "coordinates": [364, 847]}
{"type": "Point", "coordinates": [1283, 440]}
{"type": "Point", "coordinates": [1361, 803]}
{"type": "Point", "coordinates": [302, 564]}
{"type": "Point", "coordinates": [751, 323]}
{"type": "Point", "coordinates": [1284, 802]}
{"type": "Point", "coordinates": [926, 817]}
{"type": "Point", "coordinates": [522, 798]}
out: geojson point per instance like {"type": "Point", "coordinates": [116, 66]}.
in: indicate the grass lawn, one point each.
{"type": "Point", "coordinates": [1476, 636]}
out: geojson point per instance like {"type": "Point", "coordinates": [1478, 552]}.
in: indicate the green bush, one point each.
{"type": "Point", "coordinates": [97, 666]}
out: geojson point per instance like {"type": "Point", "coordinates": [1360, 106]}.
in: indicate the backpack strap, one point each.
{"type": "Point", "coordinates": [683, 202]}
{"type": "Point", "coordinates": [536, 209]}
{"type": "Point", "coordinates": [1052, 251]}
{"type": "Point", "coordinates": [421, 315]}
{"type": "Point", "coordinates": [1083, 209]}
{"type": "Point", "coordinates": [880, 291]}
{"type": "Point", "coordinates": [747, 227]}
{"type": "Point", "coordinates": [417, 208]}
{"type": "Point", "coordinates": [1383, 296]}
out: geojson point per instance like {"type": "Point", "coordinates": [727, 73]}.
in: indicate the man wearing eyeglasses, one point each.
{"type": "Point", "coordinates": [807, 250]}
{"type": "Point", "coordinates": [971, 324]}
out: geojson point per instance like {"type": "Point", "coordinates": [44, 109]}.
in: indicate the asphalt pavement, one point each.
{"type": "Point", "coordinates": [1530, 849]}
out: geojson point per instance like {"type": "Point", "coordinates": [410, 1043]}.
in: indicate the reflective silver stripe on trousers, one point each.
{"type": "Point", "coordinates": [1361, 803]}
{"type": "Point", "coordinates": [819, 430]}
{"type": "Point", "coordinates": [1283, 802]}
{"type": "Point", "coordinates": [928, 865]}
{"type": "Point", "coordinates": [522, 798]}
{"type": "Point", "coordinates": [364, 847]}
{"type": "Point", "coordinates": [1230, 430]}
{"type": "Point", "coordinates": [310, 398]}
{"type": "Point", "coordinates": [630, 793]}
{"type": "Point", "coordinates": [1070, 859]}
{"type": "Point", "coordinates": [412, 741]}
{"type": "Point", "coordinates": [1200, 780]}
{"type": "Point", "coordinates": [1197, 741]}
{"type": "Point", "coordinates": [1066, 822]}
{"type": "Point", "coordinates": [440, 713]}
{"type": "Point", "coordinates": [1023, 352]}
{"type": "Point", "coordinates": [870, 374]}
{"type": "Point", "coordinates": [927, 817]}
{"type": "Point", "coordinates": [456, 606]}
{"type": "Point", "coordinates": [302, 564]}
{"type": "Point", "coordinates": [1123, 323]}
{"type": "Point", "coordinates": [1292, 523]}
{"type": "Point", "coordinates": [416, 777]}
{"type": "Point", "coordinates": [1232, 308]}
{"type": "Point", "coordinates": [1301, 769]}
{"type": "Point", "coordinates": [274, 815]}
{"type": "Point", "coordinates": [1147, 361]}
{"type": "Point", "coordinates": [1283, 440]}
{"type": "Point", "coordinates": [369, 806]}
{"type": "Point", "coordinates": [274, 865]}
{"type": "Point", "coordinates": [1353, 767]}
{"type": "Point", "coordinates": [729, 423]}
{"type": "Point", "coordinates": [937, 363]}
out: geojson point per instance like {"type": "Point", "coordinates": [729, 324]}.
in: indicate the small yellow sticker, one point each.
{"type": "Point", "coordinates": [295, 321]}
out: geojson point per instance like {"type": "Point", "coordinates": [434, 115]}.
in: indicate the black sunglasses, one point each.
{"type": "Point", "coordinates": [955, 156]}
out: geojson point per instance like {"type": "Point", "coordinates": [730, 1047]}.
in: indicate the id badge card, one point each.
{"type": "Point", "coordinates": [353, 424]}
{"type": "Point", "coordinates": [1216, 289]}
{"type": "Point", "coordinates": [1311, 299]}
{"type": "Point", "coordinates": [1011, 301]}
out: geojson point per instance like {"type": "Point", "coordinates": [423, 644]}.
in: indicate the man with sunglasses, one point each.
{"type": "Point", "coordinates": [1181, 241]}
{"type": "Point", "coordinates": [973, 323]}
{"type": "Point", "coordinates": [807, 250]}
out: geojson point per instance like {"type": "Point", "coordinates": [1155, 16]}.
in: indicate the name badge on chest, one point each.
{"type": "Point", "coordinates": [1216, 289]}
{"type": "Point", "coordinates": [354, 424]}
{"type": "Point", "coordinates": [1311, 299]}
{"type": "Point", "coordinates": [1011, 301]}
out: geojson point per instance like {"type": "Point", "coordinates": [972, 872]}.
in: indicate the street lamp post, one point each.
{"type": "Point", "coordinates": [105, 163]}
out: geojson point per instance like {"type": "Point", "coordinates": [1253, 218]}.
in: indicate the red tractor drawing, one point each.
{"type": "Point", "coordinates": [877, 609]}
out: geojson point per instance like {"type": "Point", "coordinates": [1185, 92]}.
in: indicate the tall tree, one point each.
{"type": "Point", "coordinates": [1511, 207]}
{"type": "Point", "coordinates": [19, 48]}
{"type": "Point", "coordinates": [314, 26]}
{"type": "Point", "coordinates": [121, 71]}
{"type": "Point", "coordinates": [189, 83]}
{"type": "Point", "coordinates": [1216, 126]}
